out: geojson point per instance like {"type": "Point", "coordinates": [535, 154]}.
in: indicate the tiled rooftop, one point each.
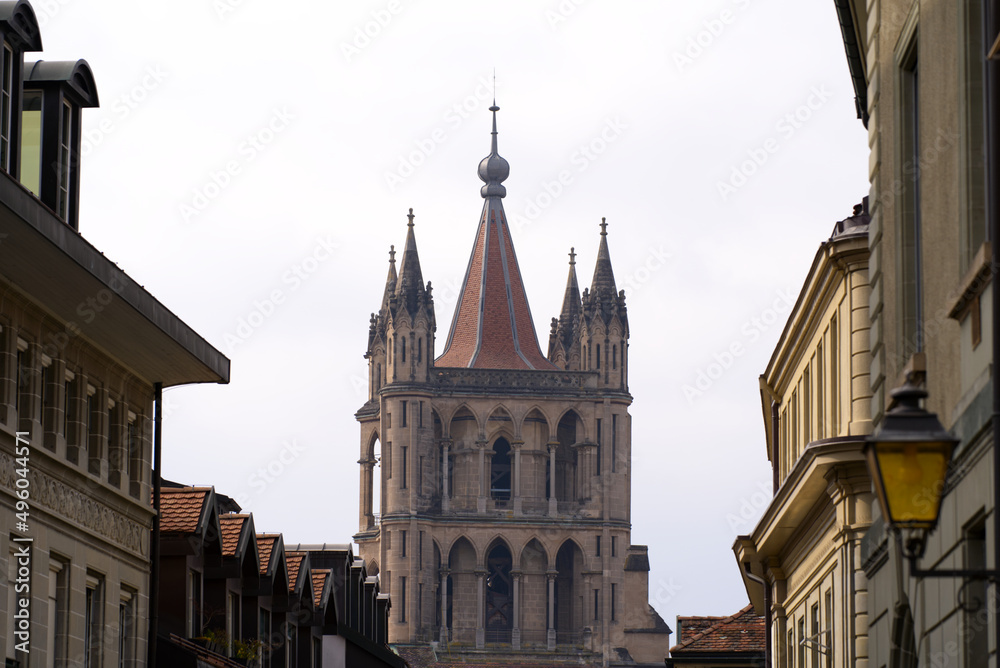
{"type": "Point", "coordinates": [265, 546]}
{"type": "Point", "coordinates": [742, 632]}
{"type": "Point", "coordinates": [232, 528]}
{"type": "Point", "coordinates": [319, 577]}
{"type": "Point", "coordinates": [181, 508]}
{"type": "Point", "coordinates": [294, 561]}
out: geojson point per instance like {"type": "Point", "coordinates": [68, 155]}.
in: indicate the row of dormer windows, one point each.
{"type": "Point", "coordinates": [66, 414]}
{"type": "Point", "coordinates": [40, 116]}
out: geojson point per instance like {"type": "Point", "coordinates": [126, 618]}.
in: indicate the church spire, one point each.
{"type": "Point", "coordinates": [411, 282]}
{"type": "Point", "coordinates": [604, 276]}
{"type": "Point", "coordinates": [492, 327]}
{"type": "Point", "coordinates": [565, 328]}
{"type": "Point", "coordinates": [390, 280]}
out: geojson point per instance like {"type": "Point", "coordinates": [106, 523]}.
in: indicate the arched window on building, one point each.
{"type": "Point", "coordinates": [500, 470]}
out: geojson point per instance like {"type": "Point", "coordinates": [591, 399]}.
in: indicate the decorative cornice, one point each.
{"type": "Point", "coordinates": [79, 508]}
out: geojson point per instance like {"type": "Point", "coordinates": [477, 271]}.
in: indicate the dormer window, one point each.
{"type": "Point", "coordinates": [19, 33]}
{"type": "Point", "coordinates": [54, 95]}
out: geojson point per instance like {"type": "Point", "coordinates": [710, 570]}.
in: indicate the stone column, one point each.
{"type": "Point", "coordinates": [515, 634]}
{"type": "Point", "coordinates": [480, 609]}
{"type": "Point", "coordinates": [367, 519]}
{"type": "Point", "coordinates": [445, 501]}
{"type": "Point", "coordinates": [516, 491]}
{"type": "Point", "coordinates": [483, 485]}
{"type": "Point", "coordinates": [552, 609]}
{"type": "Point", "coordinates": [443, 638]}
{"type": "Point", "coordinates": [553, 503]}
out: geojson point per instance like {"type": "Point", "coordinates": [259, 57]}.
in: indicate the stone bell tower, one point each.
{"type": "Point", "coordinates": [503, 475]}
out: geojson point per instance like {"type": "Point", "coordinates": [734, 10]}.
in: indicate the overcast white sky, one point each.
{"type": "Point", "coordinates": [238, 139]}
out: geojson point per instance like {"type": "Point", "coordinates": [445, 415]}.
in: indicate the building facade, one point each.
{"type": "Point", "coordinates": [926, 78]}
{"type": "Point", "coordinates": [503, 474]}
{"type": "Point", "coordinates": [83, 352]}
{"type": "Point", "coordinates": [801, 564]}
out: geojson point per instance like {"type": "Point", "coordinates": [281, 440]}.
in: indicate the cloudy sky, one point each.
{"type": "Point", "coordinates": [251, 163]}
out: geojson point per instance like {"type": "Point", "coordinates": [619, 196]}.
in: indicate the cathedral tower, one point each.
{"type": "Point", "coordinates": [503, 475]}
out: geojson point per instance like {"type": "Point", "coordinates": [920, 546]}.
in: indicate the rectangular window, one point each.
{"type": "Point", "coordinates": [816, 640]}
{"type": "Point", "coordinates": [31, 141]}
{"type": "Point", "coordinates": [402, 467]}
{"type": "Point", "coordinates": [599, 439]}
{"type": "Point", "coordinates": [834, 378]}
{"type": "Point", "coordinates": [598, 546]}
{"type": "Point", "coordinates": [93, 622]}
{"type": "Point", "coordinates": [828, 631]}
{"type": "Point", "coordinates": [614, 442]}
{"type": "Point", "coordinates": [264, 632]}
{"type": "Point", "coordinates": [597, 607]}
{"type": "Point", "coordinates": [387, 537]}
{"type": "Point", "coordinates": [126, 629]}
{"type": "Point", "coordinates": [910, 287]}
{"type": "Point", "coordinates": [794, 445]}
{"type": "Point", "coordinates": [194, 604]}
{"type": "Point", "coordinates": [388, 420]}
{"type": "Point", "coordinates": [420, 414]}
{"type": "Point", "coordinates": [134, 455]}
{"type": "Point", "coordinates": [613, 601]}
{"type": "Point", "coordinates": [93, 434]}
{"type": "Point", "coordinates": [420, 550]}
{"type": "Point", "coordinates": [402, 410]}
{"type": "Point", "coordinates": [598, 355]}
{"type": "Point", "coordinates": [801, 647]}
{"type": "Point", "coordinates": [65, 163]}
{"type": "Point", "coordinates": [402, 543]}
{"type": "Point", "coordinates": [402, 598]}
{"type": "Point", "coordinates": [6, 97]}
{"type": "Point", "coordinates": [117, 461]}
{"type": "Point", "coordinates": [790, 649]}
{"type": "Point", "coordinates": [614, 546]}
{"type": "Point", "coordinates": [972, 130]}
{"type": "Point", "coordinates": [57, 617]}
{"type": "Point", "coordinates": [820, 406]}
{"type": "Point", "coordinates": [806, 406]}
{"type": "Point", "coordinates": [233, 617]}
{"type": "Point", "coordinates": [420, 474]}
{"type": "Point", "coordinates": [975, 630]}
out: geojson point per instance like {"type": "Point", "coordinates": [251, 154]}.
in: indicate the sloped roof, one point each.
{"type": "Point", "coordinates": [740, 633]}
{"type": "Point", "coordinates": [181, 508]}
{"type": "Point", "coordinates": [265, 545]}
{"type": "Point", "coordinates": [492, 327]}
{"type": "Point", "coordinates": [232, 528]}
{"type": "Point", "coordinates": [294, 562]}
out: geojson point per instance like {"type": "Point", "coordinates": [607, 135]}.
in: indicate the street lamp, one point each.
{"type": "Point", "coordinates": [908, 464]}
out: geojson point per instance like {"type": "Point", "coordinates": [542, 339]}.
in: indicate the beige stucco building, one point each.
{"type": "Point", "coordinates": [801, 564]}
{"type": "Point", "coordinates": [926, 78]}
{"type": "Point", "coordinates": [504, 474]}
{"type": "Point", "coordinates": [83, 349]}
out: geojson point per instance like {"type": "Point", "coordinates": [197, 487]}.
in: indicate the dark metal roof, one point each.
{"type": "Point", "coordinates": [20, 19]}
{"type": "Point", "coordinates": [53, 265]}
{"type": "Point", "coordinates": [75, 75]}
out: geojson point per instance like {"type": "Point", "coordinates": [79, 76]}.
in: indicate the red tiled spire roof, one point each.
{"type": "Point", "coordinates": [492, 327]}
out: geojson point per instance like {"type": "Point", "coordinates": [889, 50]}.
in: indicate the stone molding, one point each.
{"type": "Point", "coordinates": [77, 507]}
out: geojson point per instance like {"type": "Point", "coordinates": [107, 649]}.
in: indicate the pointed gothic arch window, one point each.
{"type": "Point", "coordinates": [500, 471]}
